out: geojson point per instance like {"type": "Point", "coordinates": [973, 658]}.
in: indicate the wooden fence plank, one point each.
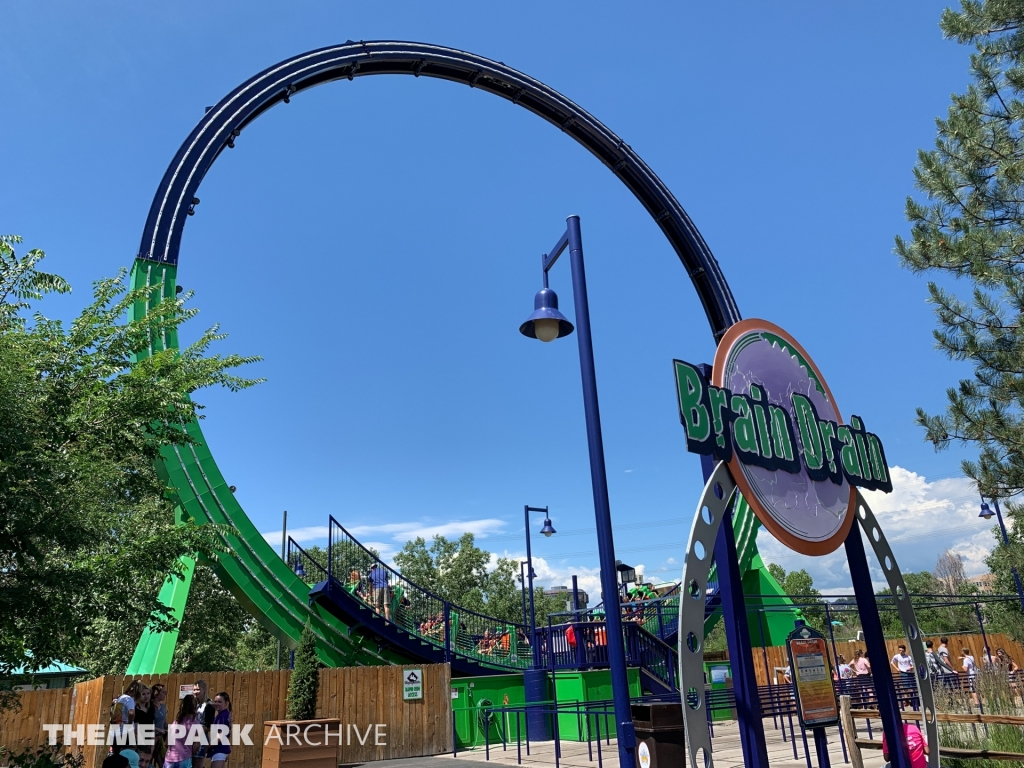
{"type": "Point", "coordinates": [360, 697]}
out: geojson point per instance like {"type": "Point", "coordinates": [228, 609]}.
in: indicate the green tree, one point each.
{"type": "Point", "coordinates": [256, 650]}
{"type": "Point", "coordinates": [88, 526]}
{"type": "Point", "coordinates": [928, 620]}
{"type": "Point", "coordinates": [305, 680]}
{"type": "Point", "coordinates": [800, 586]}
{"type": "Point", "coordinates": [970, 225]}
{"type": "Point", "coordinates": [457, 570]}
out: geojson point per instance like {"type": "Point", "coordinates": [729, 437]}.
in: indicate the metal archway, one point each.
{"type": "Point", "coordinates": [222, 124]}
{"type": "Point", "coordinates": [201, 489]}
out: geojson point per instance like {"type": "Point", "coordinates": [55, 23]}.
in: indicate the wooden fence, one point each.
{"type": "Point", "coordinates": [777, 659]}
{"type": "Point", "coordinates": [360, 696]}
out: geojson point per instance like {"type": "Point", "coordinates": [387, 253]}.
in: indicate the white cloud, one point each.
{"type": "Point", "coordinates": [305, 535]}
{"type": "Point", "coordinates": [920, 520]}
{"type": "Point", "coordinates": [398, 533]}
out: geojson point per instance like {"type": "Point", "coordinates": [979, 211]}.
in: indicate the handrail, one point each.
{"type": "Point", "coordinates": [584, 645]}
{"type": "Point", "coordinates": [418, 611]}
{"type": "Point", "coordinates": [659, 616]}
{"type": "Point", "coordinates": [302, 556]}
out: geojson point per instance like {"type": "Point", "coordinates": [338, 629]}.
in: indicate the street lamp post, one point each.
{"type": "Point", "coordinates": [548, 324]}
{"type": "Point", "coordinates": [522, 582]}
{"type": "Point", "coordinates": [986, 512]}
{"type": "Point", "coordinates": [548, 531]}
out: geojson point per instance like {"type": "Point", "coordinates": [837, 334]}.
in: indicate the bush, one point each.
{"type": "Point", "coordinates": [305, 682]}
{"type": "Point", "coordinates": [42, 757]}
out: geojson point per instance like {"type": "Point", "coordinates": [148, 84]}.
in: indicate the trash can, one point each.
{"type": "Point", "coordinates": [660, 736]}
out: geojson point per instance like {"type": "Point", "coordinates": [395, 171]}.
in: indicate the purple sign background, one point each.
{"type": "Point", "coordinates": [810, 510]}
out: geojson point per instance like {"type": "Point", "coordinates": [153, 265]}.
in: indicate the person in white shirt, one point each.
{"type": "Point", "coordinates": [845, 670]}
{"type": "Point", "coordinates": [968, 665]}
{"type": "Point", "coordinates": [902, 663]}
{"type": "Point", "coordinates": [122, 712]}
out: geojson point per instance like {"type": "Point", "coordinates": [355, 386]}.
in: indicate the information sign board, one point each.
{"type": "Point", "coordinates": [811, 671]}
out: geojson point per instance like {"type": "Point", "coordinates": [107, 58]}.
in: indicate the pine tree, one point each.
{"type": "Point", "coordinates": [305, 682]}
{"type": "Point", "coordinates": [971, 226]}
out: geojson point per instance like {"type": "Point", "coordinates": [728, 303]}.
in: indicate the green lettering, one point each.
{"type": "Point", "coordinates": [810, 439]}
{"type": "Point", "coordinates": [828, 439]}
{"type": "Point", "coordinates": [693, 412]}
{"type": "Point", "coordinates": [743, 432]}
{"type": "Point", "coordinates": [782, 432]}
{"type": "Point", "coordinates": [718, 399]}
{"type": "Point", "coordinates": [878, 467]}
{"type": "Point", "coordinates": [848, 456]}
{"type": "Point", "coordinates": [764, 436]}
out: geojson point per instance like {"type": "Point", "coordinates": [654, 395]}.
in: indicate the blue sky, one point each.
{"type": "Point", "coordinates": [377, 243]}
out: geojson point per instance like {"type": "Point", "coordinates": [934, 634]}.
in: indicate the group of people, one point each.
{"type": "Point", "coordinates": [633, 601]}
{"type": "Point", "coordinates": [499, 642]}
{"type": "Point", "coordinates": [175, 745]}
{"type": "Point", "coordinates": [940, 663]}
{"type": "Point", "coordinates": [376, 590]}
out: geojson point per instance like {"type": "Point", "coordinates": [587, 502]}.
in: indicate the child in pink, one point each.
{"type": "Point", "coordinates": [179, 753]}
{"type": "Point", "coordinates": [915, 744]}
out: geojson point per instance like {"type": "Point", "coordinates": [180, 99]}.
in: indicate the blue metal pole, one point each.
{"type": "Point", "coordinates": [602, 510]}
{"type": "Point", "coordinates": [522, 581]}
{"type": "Point", "coordinates": [529, 577]}
{"type": "Point", "coordinates": [1006, 541]}
{"type": "Point", "coordinates": [534, 679]}
{"type": "Point", "coordinates": [821, 747]}
{"type": "Point", "coordinates": [881, 671]}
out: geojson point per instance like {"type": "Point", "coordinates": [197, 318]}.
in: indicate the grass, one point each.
{"type": "Point", "coordinates": [998, 699]}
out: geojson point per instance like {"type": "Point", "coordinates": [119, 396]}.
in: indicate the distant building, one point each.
{"type": "Point", "coordinates": [57, 675]}
{"type": "Point", "coordinates": [567, 594]}
{"type": "Point", "coordinates": [985, 583]}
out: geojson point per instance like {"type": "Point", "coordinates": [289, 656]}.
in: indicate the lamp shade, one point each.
{"type": "Point", "coordinates": [986, 511]}
{"type": "Point", "coordinates": [300, 570]}
{"type": "Point", "coordinates": [548, 530]}
{"type": "Point", "coordinates": [546, 323]}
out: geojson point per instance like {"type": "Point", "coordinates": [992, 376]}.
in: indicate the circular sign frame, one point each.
{"type": "Point", "coordinates": [779, 524]}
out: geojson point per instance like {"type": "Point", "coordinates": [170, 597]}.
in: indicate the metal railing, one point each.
{"type": "Point", "coordinates": [312, 571]}
{"type": "Point", "coordinates": [584, 645]}
{"type": "Point", "coordinates": [660, 615]}
{"type": "Point", "coordinates": [419, 612]}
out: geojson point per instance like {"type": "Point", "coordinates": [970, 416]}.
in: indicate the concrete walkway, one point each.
{"type": "Point", "coordinates": [726, 745]}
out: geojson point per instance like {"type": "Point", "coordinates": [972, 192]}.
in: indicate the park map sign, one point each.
{"type": "Point", "coordinates": [769, 414]}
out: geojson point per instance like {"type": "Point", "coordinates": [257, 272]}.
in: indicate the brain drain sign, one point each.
{"type": "Point", "coordinates": [412, 684]}
{"type": "Point", "coordinates": [769, 414]}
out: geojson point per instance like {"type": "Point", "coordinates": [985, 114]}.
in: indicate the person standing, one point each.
{"type": "Point", "coordinates": [222, 727]}
{"type": "Point", "coordinates": [1011, 668]}
{"type": "Point", "coordinates": [205, 715]}
{"type": "Point", "coordinates": [122, 712]}
{"type": "Point", "coordinates": [902, 663]}
{"type": "Point", "coordinates": [179, 752]}
{"type": "Point", "coordinates": [861, 665]}
{"type": "Point", "coordinates": [971, 668]}
{"type": "Point", "coordinates": [937, 667]}
{"type": "Point", "coordinates": [144, 716]}
{"type": "Point", "coordinates": [380, 595]}
{"type": "Point", "coordinates": [159, 723]}
{"type": "Point", "coordinates": [944, 652]}
{"type": "Point", "coordinates": [916, 745]}
{"type": "Point", "coordinates": [845, 670]}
